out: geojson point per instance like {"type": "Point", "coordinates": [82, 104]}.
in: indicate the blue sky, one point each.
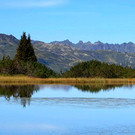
{"type": "Point", "coordinates": [111, 21]}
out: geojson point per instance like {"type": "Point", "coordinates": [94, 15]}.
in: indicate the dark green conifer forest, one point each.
{"type": "Point", "coordinates": [94, 68]}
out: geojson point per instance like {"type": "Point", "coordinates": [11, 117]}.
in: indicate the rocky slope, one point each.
{"type": "Point", "coordinates": [124, 48]}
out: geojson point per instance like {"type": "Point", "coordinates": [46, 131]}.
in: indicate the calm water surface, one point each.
{"type": "Point", "coordinates": [67, 110]}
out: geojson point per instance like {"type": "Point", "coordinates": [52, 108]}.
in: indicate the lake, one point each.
{"type": "Point", "coordinates": [67, 110]}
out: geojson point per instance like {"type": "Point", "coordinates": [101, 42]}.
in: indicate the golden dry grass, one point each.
{"type": "Point", "coordinates": [32, 80]}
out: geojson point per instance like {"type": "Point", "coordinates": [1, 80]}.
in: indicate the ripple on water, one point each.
{"type": "Point", "coordinates": [76, 102]}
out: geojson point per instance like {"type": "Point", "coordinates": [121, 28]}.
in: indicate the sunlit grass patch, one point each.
{"type": "Point", "coordinates": [20, 79]}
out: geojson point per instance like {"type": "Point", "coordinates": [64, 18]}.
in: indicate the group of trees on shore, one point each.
{"type": "Point", "coordinates": [25, 62]}
{"type": "Point", "coordinates": [94, 68]}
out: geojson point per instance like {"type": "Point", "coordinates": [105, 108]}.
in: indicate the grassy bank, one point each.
{"type": "Point", "coordinates": [31, 80]}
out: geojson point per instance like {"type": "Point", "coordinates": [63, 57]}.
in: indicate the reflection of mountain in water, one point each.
{"type": "Point", "coordinates": [96, 88]}
{"type": "Point", "coordinates": [56, 87]}
{"type": "Point", "coordinates": [16, 91]}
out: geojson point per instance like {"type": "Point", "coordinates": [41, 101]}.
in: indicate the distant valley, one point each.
{"type": "Point", "coordinates": [61, 55]}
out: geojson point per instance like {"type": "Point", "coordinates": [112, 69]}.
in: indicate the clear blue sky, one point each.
{"type": "Point", "coordinates": [111, 21]}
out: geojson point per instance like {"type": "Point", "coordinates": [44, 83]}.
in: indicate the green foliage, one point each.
{"type": "Point", "coordinates": [6, 66]}
{"type": "Point", "coordinates": [33, 69]}
{"type": "Point", "coordinates": [38, 70]}
{"type": "Point", "coordinates": [25, 51]}
{"type": "Point", "coordinates": [97, 69]}
{"type": "Point", "coordinates": [25, 62]}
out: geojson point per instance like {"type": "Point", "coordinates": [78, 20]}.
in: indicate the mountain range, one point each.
{"type": "Point", "coordinates": [124, 47]}
{"type": "Point", "coordinates": [61, 55]}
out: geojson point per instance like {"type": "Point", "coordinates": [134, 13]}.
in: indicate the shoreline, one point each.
{"type": "Point", "coordinates": [87, 81]}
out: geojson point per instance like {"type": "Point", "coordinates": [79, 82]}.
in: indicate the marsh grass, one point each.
{"type": "Point", "coordinates": [20, 79]}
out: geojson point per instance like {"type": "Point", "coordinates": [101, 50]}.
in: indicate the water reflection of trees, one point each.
{"type": "Point", "coordinates": [96, 88]}
{"type": "Point", "coordinates": [22, 94]}
{"type": "Point", "coordinates": [18, 92]}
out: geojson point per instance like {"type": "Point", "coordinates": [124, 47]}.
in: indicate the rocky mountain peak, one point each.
{"type": "Point", "coordinates": [88, 43]}
{"type": "Point", "coordinates": [80, 42]}
{"type": "Point", "coordinates": [98, 43]}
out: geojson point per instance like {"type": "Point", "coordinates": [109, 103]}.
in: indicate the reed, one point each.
{"type": "Point", "coordinates": [31, 80]}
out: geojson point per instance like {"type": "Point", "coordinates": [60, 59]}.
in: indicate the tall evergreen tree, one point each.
{"type": "Point", "coordinates": [30, 51]}
{"type": "Point", "coordinates": [25, 51]}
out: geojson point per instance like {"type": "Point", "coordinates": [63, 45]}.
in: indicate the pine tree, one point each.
{"type": "Point", "coordinates": [25, 51]}
{"type": "Point", "coordinates": [30, 51]}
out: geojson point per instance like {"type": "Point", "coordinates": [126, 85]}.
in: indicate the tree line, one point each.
{"type": "Point", "coordinates": [94, 68]}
